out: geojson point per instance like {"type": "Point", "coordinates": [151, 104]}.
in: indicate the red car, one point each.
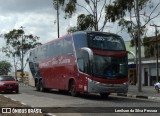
{"type": "Point", "coordinates": [8, 84]}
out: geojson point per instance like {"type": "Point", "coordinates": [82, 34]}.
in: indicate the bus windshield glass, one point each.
{"type": "Point", "coordinates": [110, 67]}
{"type": "Point", "coordinates": [105, 42]}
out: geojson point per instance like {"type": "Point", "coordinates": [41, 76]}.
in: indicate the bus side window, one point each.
{"type": "Point", "coordinates": [80, 41]}
{"type": "Point", "coordinates": [38, 54]}
{"type": "Point", "coordinates": [58, 49]}
{"type": "Point", "coordinates": [51, 51]}
{"type": "Point", "coordinates": [68, 46]}
{"type": "Point", "coordinates": [80, 62]}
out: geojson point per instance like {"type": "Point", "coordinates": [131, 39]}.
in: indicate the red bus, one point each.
{"type": "Point", "coordinates": [81, 62]}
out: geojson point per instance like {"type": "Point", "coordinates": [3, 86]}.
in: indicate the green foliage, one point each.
{"type": "Point", "coordinates": [150, 45]}
{"type": "Point", "coordinates": [17, 42]}
{"type": "Point", "coordinates": [72, 29]}
{"type": "Point", "coordinates": [70, 8]}
{"type": "Point", "coordinates": [146, 41]}
{"type": "Point", "coordinates": [60, 3]}
{"type": "Point", "coordinates": [5, 67]}
{"type": "Point", "coordinates": [84, 22]}
{"type": "Point", "coordinates": [120, 8]}
{"type": "Point", "coordinates": [87, 21]}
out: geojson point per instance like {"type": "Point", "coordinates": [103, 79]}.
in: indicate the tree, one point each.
{"type": "Point", "coordinates": [89, 21]}
{"type": "Point", "coordinates": [120, 8]}
{"type": "Point", "coordinates": [5, 67]}
{"type": "Point", "coordinates": [17, 45]}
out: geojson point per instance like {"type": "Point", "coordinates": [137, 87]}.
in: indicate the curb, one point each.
{"type": "Point", "coordinates": [45, 114]}
{"type": "Point", "coordinates": [138, 96]}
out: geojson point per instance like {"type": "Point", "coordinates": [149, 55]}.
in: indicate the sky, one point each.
{"type": "Point", "coordinates": [38, 17]}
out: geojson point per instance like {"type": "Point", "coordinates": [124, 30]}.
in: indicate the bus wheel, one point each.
{"type": "Point", "coordinates": [37, 86]}
{"type": "Point", "coordinates": [41, 88]}
{"type": "Point", "coordinates": [104, 95]}
{"type": "Point", "coordinates": [73, 89]}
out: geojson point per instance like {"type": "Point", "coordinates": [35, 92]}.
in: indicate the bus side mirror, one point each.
{"type": "Point", "coordinates": [90, 54]}
{"type": "Point", "coordinates": [133, 54]}
{"type": "Point", "coordinates": [80, 62]}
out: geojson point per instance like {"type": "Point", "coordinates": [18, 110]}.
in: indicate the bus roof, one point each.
{"type": "Point", "coordinates": [78, 32]}
{"type": "Point", "coordinates": [98, 32]}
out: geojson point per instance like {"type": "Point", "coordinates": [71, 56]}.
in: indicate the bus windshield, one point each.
{"type": "Point", "coordinates": [105, 42]}
{"type": "Point", "coordinates": [110, 67]}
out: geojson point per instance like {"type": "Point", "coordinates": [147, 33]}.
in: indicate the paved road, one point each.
{"type": "Point", "coordinates": [30, 96]}
{"type": "Point", "coordinates": [146, 91]}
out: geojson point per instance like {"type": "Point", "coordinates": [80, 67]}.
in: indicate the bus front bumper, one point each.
{"type": "Point", "coordinates": [97, 87]}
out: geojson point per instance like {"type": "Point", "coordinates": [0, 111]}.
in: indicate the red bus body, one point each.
{"type": "Point", "coordinates": [56, 64]}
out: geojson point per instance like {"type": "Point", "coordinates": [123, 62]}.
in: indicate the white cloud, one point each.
{"type": "Point", "coordinates": [38, 17]}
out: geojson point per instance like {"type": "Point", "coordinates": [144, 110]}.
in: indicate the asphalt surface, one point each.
{"type": "Point", "coordinates": [148, 92]}
{"type": "Point", "coordinates": [86, 103]}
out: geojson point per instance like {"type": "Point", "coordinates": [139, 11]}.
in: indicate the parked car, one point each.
{"type": "Point", "coordinates": [157, 85]}
{"type": "Point", "coordinates": [8, 84]}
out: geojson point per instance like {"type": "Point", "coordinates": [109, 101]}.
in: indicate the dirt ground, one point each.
{"type": "Point", "coordinates": [7, 102]}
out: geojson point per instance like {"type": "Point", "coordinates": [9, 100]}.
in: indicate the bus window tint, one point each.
{"type": "Point", "coordinates": [59, 47]}
{"type": "Point", "coordinates": [106, 42]}
{"type": "Point", "coordinates": [79, 42]}
{"type": "Point", "coordinates": [44, 52]}
{"type": "Point", "coordinates": [33, 56]}
{"type": "Point", "coordinates": [68, 45]}
{"type": "Point", "coordinates": [51, 50]}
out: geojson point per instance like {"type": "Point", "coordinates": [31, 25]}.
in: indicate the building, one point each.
{"type": "Point", "coordinates": [148, 64]}
{"type": "Point", "coordinates": [25, 76]}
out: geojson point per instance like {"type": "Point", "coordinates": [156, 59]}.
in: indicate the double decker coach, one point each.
{"type": "Point", "coordinates": [81, 62]}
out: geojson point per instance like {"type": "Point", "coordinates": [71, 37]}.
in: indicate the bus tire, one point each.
{"type": "Point", "coordinates": [41, 88]}
{"type": "Point", "coordinates": [37, 86]}
{"type": "Point", "coordinates": [73, 89]}
{"type": "Point", "coordinates": [104, 95]}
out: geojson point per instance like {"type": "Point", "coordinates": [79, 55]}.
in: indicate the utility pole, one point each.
{"type": "Point", "coordinates": [58, 18]}
{"type": "Point", "coordinates": [139, 48]}
{"type": "Point", "coordinates": [22, 57]}
{"type": "Point", "coordinates": [157, 77]}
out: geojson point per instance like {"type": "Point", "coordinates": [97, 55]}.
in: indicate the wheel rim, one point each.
{"type": "Point", "coordinates": [37, 86]}
{"type": "Point", "coordinates": [73, 88]}
{"type": "Point", "coordinates": [41, 87]}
